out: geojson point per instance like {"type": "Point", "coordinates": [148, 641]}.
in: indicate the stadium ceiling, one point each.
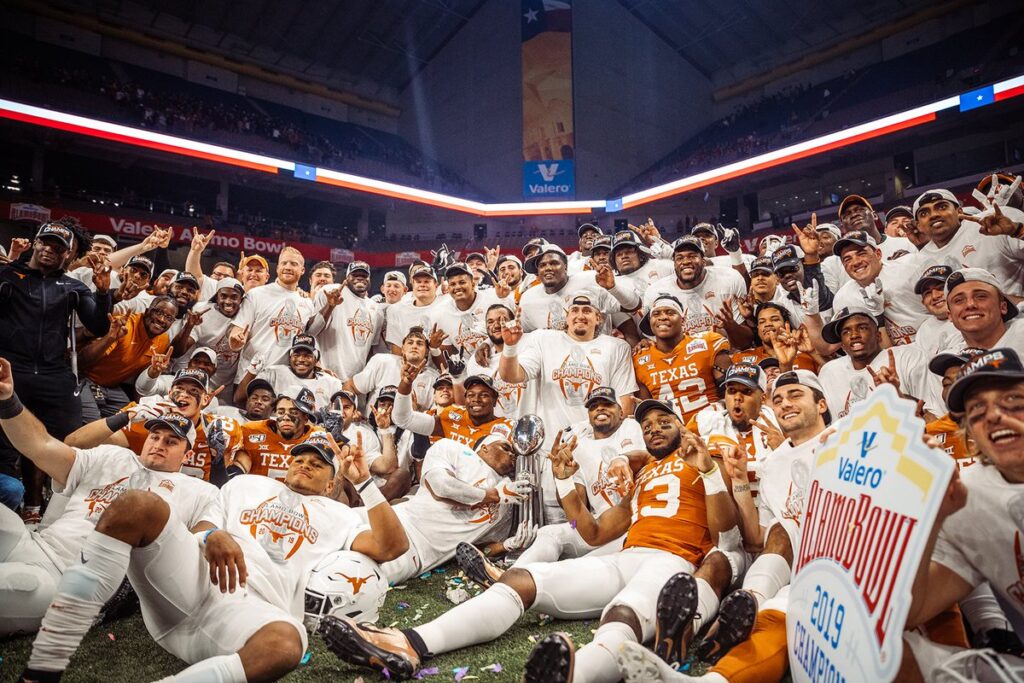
{"type": "Point", "coordinates": [351, 42]}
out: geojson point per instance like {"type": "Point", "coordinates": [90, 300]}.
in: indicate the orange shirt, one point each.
{"type": "Point", "coordinates": [952, 439]}
{"type": "Point", "coordinates": [803, 361]}
{"type": "Point", "coordinates": [685, 374]}
{"type": "Point", "coordinates": [197, 464]}
{"type": "Point", "coordinates": [123, 360]}
{"type": "Point", "coordinates": [669, 510]}
{"type": "Point", "coordinates": [457, 425]}
{"type": "Point", "coordinates": [268, 450]}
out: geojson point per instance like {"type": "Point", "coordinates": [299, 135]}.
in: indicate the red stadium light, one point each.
{"type": "Point", "coordinates": [137, 137]}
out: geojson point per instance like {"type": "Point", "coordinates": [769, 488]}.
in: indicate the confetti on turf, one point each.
{"type": "Point", "coordinates": [403, 605]}
{"type": "Point", "coordinates": [423, 673]}
{"type": "Point", "coordinates": [424, 576]}
{"type": "Point", "coordinates": [460, 672]}
{"type": "Point", "coordinates": [440, 570]}
{"type": "Point", "coordinates": [111, 636]}
{"type": "Point", "coordinates": [545, 619]}
{"type": "Point", "coordinates": [493, 668]}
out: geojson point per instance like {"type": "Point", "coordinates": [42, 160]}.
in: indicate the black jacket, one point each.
{"type": "Point", "coordinates": [35, 317]}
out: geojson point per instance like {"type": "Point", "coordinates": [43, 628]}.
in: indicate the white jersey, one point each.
{"type": "Point", "coordinates": [702, 302]}
{"type": "Point", "coordinates": [212, 332]}
{"type": "Point", "coordinates": [566, 371]}
{"type": "Point", "coordinates": [935, 336]}
{"type": "Point", "coordinates": [287, 383]}
{"type": "Point", "coordinates": [283, 535]}
{"type": "Point", "coordinates": [546, 311]}
{"type": "Point", "coordinates": [996, 507]}
{"type": "Point", "coordinates": [1003, 256]}
{"type": "Point", "coordinates": [904, 311]}
{"type": "Point", "coordinates": [895, 248]}
{"type": "Point", "coordinates": [643, 277]}
{"type": "Point", "coordinates": [845, 386]}
{"type": "Point", "coordinates": [274, 316]}
{"type": "Point", "coordinates": [353, 329]}
{"type": "Point", "coordinates": [404, 316]}
{"type": "Point", "coordinates": [784, 477]}
{"type": "Point", "coordinates": [1013, 338]}
{"type": "Point", "coordinates": [385, 369]}
{"type": "Point", "coordinates": [593, 455]}
{"type": "Point", "coordinates": [510, 394]}
{"type": "Point", "coordinates": [97, 477]}
{"type": "Point", "coordinates": [833, 272]}
{"type": "Point", "coordinates": [714, 425]}
{"type": "Point", "coordinates": [467, 329]}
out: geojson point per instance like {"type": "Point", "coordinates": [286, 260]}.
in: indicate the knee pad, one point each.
{"type": "Point", "coordinates": [79, 581]}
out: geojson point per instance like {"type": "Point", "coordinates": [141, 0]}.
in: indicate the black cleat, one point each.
{"type": "Point", "coordinates": [369, 646]}
{"type": "Point", "coordinates": [677, 603]}
{"type": "Point", "coordinates": [476, 566]}
{"type": "Point", "coordinates": [122, 603]}
{"type": "Point", "coordinates": [551, 661]}
{"type": "Point", "coordinates": [736, 618]}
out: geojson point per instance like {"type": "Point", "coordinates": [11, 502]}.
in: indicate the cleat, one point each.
{"type": "Point", "coordinates": [736, 618]}
{"type": "Point", "coordinates": [677, 603]}
{"type": "Point", "coordinates": [121, 604]}
{"type": "Point", "coordinates": [383, 649]}
{"type": "Point", "coordinates": [637, 664]}
{"type": "Point", "coordinates": [551, 660]}
{"type": "Point", "coordinates": [476, 566]}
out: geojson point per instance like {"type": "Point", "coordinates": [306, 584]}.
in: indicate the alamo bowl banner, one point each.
{"type": "Point", "coordinates": [872, 497]}
{"type": "Point", "coordinates": [548, 137]}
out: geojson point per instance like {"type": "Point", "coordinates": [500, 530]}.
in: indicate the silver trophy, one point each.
{"type": "Point", "coordinates": [527, 438]}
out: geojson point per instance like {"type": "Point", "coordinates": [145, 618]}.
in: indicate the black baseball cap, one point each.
{"type": "Point", "coordinates": [443, 379]}
{"type": "Point", "coordinates": [628, 238]}
{"type": "Point", "coordinates": [832, 332]}
{"type": "Point", "coordinates": [937, 274]}
{"type": "Point", "coordinates": [747, 374]}
{"type": "Point", "coordinates": [422, 269]}
{"type": "Point", "coordinates": [704, 227]}
{"type": "Point", "coordinates": [587, 226]}
{"type": "Point", "coordinates": [536, 242]}
{"type": "Point", "coordinates": [602, 242]}
{"type": "Point", "coordinates": [356, 266]}
{"type": "Point", "coordinates": [343, 393]}
{"type": "Point", "coordinates": [786, 256]}
{"type": "Point", "coordinates": [547, 248]}
{"type": "Point", "coordinates": [456, 268]}
{"type": "Point", "coordinates": [485, 380]}
{"type": "Point", "coordinates": [305, 401]}
{"type": "Point", "coordinates": [259, 383]}
{"type": "Point", "coordinates": [318, 443]}
{"type": "Point", "coordinates": [177, 423]}
{"type": "Point", "coordinates": [647, 405]}
{"type": "Point", "coordinates": [944, 361]}
{"type": "Point", "coordinates": [58, 232]}
{"type": "Point", "coordinates": [900, 210]}
{"type": "Point", "coordinates": [688, 242]}
{"type": "Point", "coordinates": [386, 393]}
{"type": "Point", "coordinates": [854, 238]}
{"type": "Point", "coordinates": [1001, 363]}
{"type": "Point", "coordinates": [194, 375]}
{"type": "Point", "coordinates": [761, 263]}
{"type": "Point", "coordinates": [304, 341]}
{"type": "Point", "coordinates": [143, 262]}
{"type": "Point", "coordinates": [605, 394]}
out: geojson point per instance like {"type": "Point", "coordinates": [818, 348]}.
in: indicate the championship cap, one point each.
{"type": "Point", "coordinates": [628, 238]}
{"type": "Point", "coordinates": [747, 374]}
{"type": "Point", "coordinates": [387, 393]}
{"type": "Point", "coordinates": [508, 257]}
{"type": "Point", "coordinates": [688, 242]}
{"type": "Point", "coordinates": [343, 394]}
{"type": "Point", "coordinates": [938, 194]}
{"type": "Point", "coordinates": [177, 423]}
{"type": "Point", "coordinates": [586, 227]}
{"type": "Point", "coordinates": [937, 274]}
{"type": "Point", "coordinates": [318, 443]}
{"type": "Point", "coordinates": [900, 210]}
{"type": "Point", "coordinates": [602, 242]}
{"type": "Point", "coordinates": [305, 401]}
{"type": "Point", "coordinates": [143, 262]}
{"type": "Point", "coordinates": [1001, 363]}
{"type": "Point", "coordinates": [787, 256]}
{"type": "Point", "coordinates": [546, 248]}
{"type": "Point", "coordinates": [604, 394]}
{"type": "Point", "coordinates": [831, 228]}
{"type": "Point", "coordinates": [443, 379]}
{"type": "Point", "coordinates": [485, 380]}
{"type": "Point", "coordinates": [661, 301]}
{"type": "Point", "coordinates": [259, 383]}
{"type": "Point", "coordinates": [649, 404]}
{"type": "Point", "coordinates": [536, 243]}
{"type": "Point", "coordinates": [832, 332]}
{"type": "Point", "coordinates": [959, 277]}
{"type": "Point", "coordinates": [56, 231]}
{"type": "Point", "coordinates": [761, 264]}
{"type": "Point", "coordinates": [396, 276]}
{"type": "Point", "coordinates": [457, 268]}
{"type": "Point", "coordinates": [253, 257]}
{"type": "Point", "coordinates": [768, 362]}
{"type": "Point", "coordinates": [422, 269]}
{"type": "Point", "coordinates": [803, 377]}
{"type": "Point", "coordinates": [193, 375]}
{"type": "Point", "coordinates": [944, 361]}
{"type": "Point", "coordinates": [303, 342]}
{"type": "Point", "coordinates": [357, 266]}
{"type": "Point", "coordinates": [854, 200]}
{"type": "Point", "coordinates": [106, 239]}
{"type": "Point", "coordinates": [186, 278]}
{"type": "Point", "coordinates": [206, 351]}
{"type": "Point", "coordinates": [854, 238]}
{"type": "Point", "coordinates": [704, 227]}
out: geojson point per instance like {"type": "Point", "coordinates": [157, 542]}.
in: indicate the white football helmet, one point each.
{"type": "Point", "coordinates": [986, 666]}
{"type": "Point", "coordinates": [345, 583]}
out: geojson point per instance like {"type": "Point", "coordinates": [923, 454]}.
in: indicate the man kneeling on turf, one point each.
{"type": "Point", "coordinates": [262, 535]}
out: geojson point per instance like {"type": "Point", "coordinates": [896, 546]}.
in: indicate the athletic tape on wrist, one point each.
{"type": "Point", "coordinates": [510, 350]}
{"type": "Point", "coordinates": [371, 495]}
{"type": "Point", "coordinates": [713, 482]}
{"type": "Point", "coordinates": [564, 486]}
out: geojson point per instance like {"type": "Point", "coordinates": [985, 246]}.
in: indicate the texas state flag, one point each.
{"type": "Point", "coordinates": [539, 16]}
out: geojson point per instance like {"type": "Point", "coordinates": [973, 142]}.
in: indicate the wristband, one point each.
{"type": "Point", "coordinates": [713, 482]}
{"type": "Point", "coordinates": [435, 353]}
{"type": "Point", "coordinates": [510, 350]}
{"type": "Point", "coordinates": [118, 421]}
{"type": "Point", "coordinates": [202, 536]}
{"type": "Point", "coordinates": [10, 407]}
{"type": "Point", "coordinates": [736, 258]}
{"type": "Point", "coordinates": [564, 486]}
{"type": "Point", "coordinates": [371, 495]}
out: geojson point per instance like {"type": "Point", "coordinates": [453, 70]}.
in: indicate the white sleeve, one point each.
{"type": "Point", "coordinates": [622, 378]}
{"type": "Point", "coordinates": [367, 379]}
{"type": "Point", "coordinates": [950, 556]}
{"type": "Point", "coordinates": [406, 418]}
{"type": "Point", "coordinates": [393, 322]}
{"type": "Point", "coordinates": [148, 386]}
{"type": "Point", "coordinates": [530, 354]}
{"type": "Point", "coordinates": [317, 323]}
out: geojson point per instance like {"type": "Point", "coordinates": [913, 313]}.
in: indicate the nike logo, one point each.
{"type": "Point", "coordinates": [82, 554]}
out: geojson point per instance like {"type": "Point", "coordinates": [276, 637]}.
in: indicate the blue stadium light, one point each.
{"type": "Point", "coordinates": [303, 172]}
{"type": "Point", "coordinates": [977, 98]}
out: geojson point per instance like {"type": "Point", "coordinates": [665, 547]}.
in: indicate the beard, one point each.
{"type": "Point", "coordinates": [667, 450]}
{"type": "Point", "coordinates": [496, 340]}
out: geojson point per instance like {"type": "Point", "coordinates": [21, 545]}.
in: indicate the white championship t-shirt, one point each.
{"type": "Point", "coordinates": [703, 301]}
{"type": "Point", "coordinates": [287, 383]}
{"type": "Point", "coordinates": [404, 316]}
{"type": "Point", "coordinates": [1003, 256]}
{"type": "Point", "coordinates": [783, 480]}
{"type": "Point", "coordinates": [353, 329]}
{"type": "Point", "coordinates": [593, 455]}
{"type": "Point", "coordinates": [274, 316]}
{"type": "Point", "coordinates": [546, 311]}
{"type": "Point", "coordinates": [385, 369]}
{"type": "Point", "coordinates": [845, 386]}
{"type": "Point", "coordinates": [904, 311]}
{"type": "Point", "coordinates": [467, 329]}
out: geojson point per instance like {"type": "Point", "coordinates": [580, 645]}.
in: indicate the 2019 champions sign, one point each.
{"type": "Point", "coordinates": [870, 505]}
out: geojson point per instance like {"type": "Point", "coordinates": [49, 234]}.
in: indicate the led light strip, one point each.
{"type": "Point", "coordinates": [168, 143]}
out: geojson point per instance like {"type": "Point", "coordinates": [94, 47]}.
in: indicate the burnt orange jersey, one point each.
{"type": "Point", "coordinates": [457, 425]}
{"type": "Point", "coordinates": [669, 510]}
{"type": "Point", "coordinates": [951, 437]}
{"type": "Point", "coordinates": [197, 463]}
{"type": "Point", "coordinates": [744, 440]}
{"type": "Point", "coordinates": [268, 450]}
{"type": "Point", "coordinates": [803, 361]}
{"type": "Point", "coordinates": [685, 374]}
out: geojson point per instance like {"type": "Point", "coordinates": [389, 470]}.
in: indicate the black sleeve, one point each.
{"type": "Point", "coordinates": [93, 309]}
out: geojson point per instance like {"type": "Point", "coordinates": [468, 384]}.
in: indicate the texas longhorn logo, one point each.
{"type": "Point", "coordinates": [576, 377]}
{"type": "Point", "coordinates": [357, 581]}
{"type": "Point", "coordinates": [279, 528]}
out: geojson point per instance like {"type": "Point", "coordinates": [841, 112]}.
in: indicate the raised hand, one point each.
{"type": "Point", "coordinates": [649, 232]}
{"type": "Point", "coordinates": [730, 238]}
{"type": "Point", "coordinates": [256, 365]}
{"type": "Point", "coordinates": [563, 465]}
{"type": "Point", "coordinates": [117, 326]}
{"type": "Point", "coordinates": [491, 256]}
{"type": "Point", "coordinates": [995, 223]}
{"type": "Point", "coordinates": [512, 332]}
{"type": "Point", "coordinates": [809, 298]}
{"type": "Point", "coordinates": [141, 412]}
{"type": "Point", "coordinates": [501, 287]}
{"type": "Point", "coordinates": [605, 277]}
{"type": "Point", "coordinates": [353, 461]}
{"type": "Point", "coordinates": [437, 337]}
{"type": "Point", "coordinates": [194, 318]}
{"type": "Point", "coordinates": [238, 337]}
{"type": "Point", "coordinates": [382, 415]}
{"type": "Point", "coordinates": [734, 461]}
{"type": "Point", "coordinates": [101, 275]}
{"type": "Point", "coordinates": [217, 439]}
{"type": "Point", "coordinates": [807, 236]}
{"type": "Point", "coordinates": [784, 346]}
{"type": "Point", "coordinates": [774, 435]}
{"type": "Point", "coordinates": [620, 475]}
{"type": "Point", "coordinates": [694, 446]}
{"type": "Point", "coordinates": [887, 373]}
{"type": "Point", "coordinates": [334, 296]}
{"type": "Point", "coordinates": [199, 240]}
{"type": "Point", "coordinates": [159, 362]}
{"type": "Point", "coordinates": [6, 380]}
{"type": "Point", "coordinates": [410, 371]}
{"type": "Point", "coordinates": [745, 305]}
{"type": "Point", "coordinates": [873, 298]}
{"type": "Point", "coordinates": [127, 289]}
{"type": "Point", "coordinates": [455, 362]}
{"type": "Point", "coordinates": [19, 245]}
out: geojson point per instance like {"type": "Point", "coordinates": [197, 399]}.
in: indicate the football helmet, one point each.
{"type": "Point", "coordinates": [345, 583]}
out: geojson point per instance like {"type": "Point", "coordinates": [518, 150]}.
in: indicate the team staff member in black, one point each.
{"type": "Point", "coordinates": [37, 299]}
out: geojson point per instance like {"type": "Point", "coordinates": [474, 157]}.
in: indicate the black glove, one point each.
{"type": "Point", "coordinates": [729, 238]}
{"type": "Point", "coordinates": [217, 440]}
{"type": "Point", "coordinates": [1002, 641]}
{"type": "Point", "coordinates": [456, 363]}
{"type": "Point", "coordinates": [332, 423]}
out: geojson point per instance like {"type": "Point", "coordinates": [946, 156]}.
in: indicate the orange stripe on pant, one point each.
{"type": "Point", "coordinates": [762, 658]}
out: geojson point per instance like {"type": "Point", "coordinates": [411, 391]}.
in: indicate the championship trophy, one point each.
{"type": "Point", "coordinates": [527, 437]}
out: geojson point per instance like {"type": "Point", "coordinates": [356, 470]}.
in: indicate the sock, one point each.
{"type": "Point", "coordinates": [475, 621]}
{"type": "Point", "coordinates": [761, 658]}
{"type": "Point", "coordinates": [222, 669]}
{"type": "Point", "coordinates": [81, 594]}
{"type": "Point", "coordinates": [766, 576]}
{"type": "Point", "coordinates": [595, 661]}
{"type": "Point", "coordinates": [982, 610]}
{"type": "Point", "coordinates": [707, 604]}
